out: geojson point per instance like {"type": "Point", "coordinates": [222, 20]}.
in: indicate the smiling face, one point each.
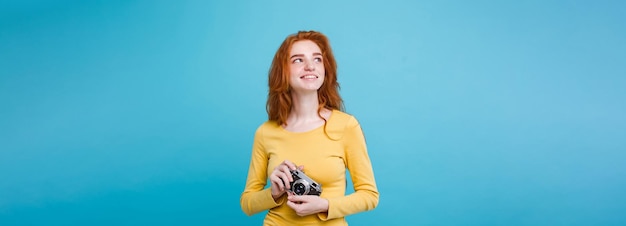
{"type": "Point", "coordinates": [288, 76]}
{"type": "Point", "coordinates": [306, 66]}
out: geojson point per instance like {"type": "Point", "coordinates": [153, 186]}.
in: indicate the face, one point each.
{"type": "Point", "coordinates": [306, 66]}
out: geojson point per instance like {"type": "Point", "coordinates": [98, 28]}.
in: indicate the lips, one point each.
{"type": "Point", "coordinates": [308, 77]}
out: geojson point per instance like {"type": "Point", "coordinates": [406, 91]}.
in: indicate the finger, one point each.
{"type": "Point", "coordinates": [297, 207]}
{"type": "Point", "coordinates": [285, 179]}
{"type": "Point", "coordinates": [277, 182]}
{"type": "Point", "coordinates": [285, 170]}
{"type": "Point", "coordinates": [293, 205]}
{"type": "Point", "coordinates": [299, 198]}
{"type": "Point", "coordinates": [283, 167]}
{"type": "Point", "coordinates": [277, 187]}
{"type": "Point", "coordinates": [289, 164]}
{"type": "Point", "coordinates": [301, 167]}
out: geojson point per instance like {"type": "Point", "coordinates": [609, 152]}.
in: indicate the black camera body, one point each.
{"type": "Point", "coordinates": [303, 185]}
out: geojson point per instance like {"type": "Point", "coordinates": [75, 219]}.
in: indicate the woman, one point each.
{"type": "Point", "coordinates": [307, 130]}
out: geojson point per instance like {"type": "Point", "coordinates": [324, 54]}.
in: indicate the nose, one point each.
{"type": "Point", "coordinates": [309, 66]}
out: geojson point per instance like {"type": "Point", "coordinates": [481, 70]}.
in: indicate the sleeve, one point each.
{"type": "Point", "coordinates": [255, 198]}
{"type": "Point", "coordinates": [365, 196]}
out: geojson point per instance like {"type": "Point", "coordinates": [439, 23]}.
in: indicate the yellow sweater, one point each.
{"type": "Point", "coordinates": [325, 152]}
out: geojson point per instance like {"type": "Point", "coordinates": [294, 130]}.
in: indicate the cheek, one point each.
{"type": "Point", "coordinates": [292, 73]}
{"type": "Point", "coordinates": [294, 69]}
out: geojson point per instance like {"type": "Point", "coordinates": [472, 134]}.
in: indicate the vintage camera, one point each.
{"type": "Point", "coordinates": [303, 185]}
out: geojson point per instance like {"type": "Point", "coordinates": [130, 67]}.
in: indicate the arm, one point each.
{"type": "Point", "coordinates": [255, 198]}
{"type": "Point", "coordinates": [365, 196]}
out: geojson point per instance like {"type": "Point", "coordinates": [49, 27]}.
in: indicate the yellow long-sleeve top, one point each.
{"type": "Point", "coordinates": [325, 153]}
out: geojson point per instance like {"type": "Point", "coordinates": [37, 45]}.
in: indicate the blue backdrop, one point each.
{"type": "Point", "coordinates": [475, 112]}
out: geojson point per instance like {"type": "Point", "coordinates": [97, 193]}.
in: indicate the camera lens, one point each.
{"type": "Point", "coordinates": [299, 189]}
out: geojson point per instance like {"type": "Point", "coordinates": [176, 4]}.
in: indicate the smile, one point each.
{"type": "Point", "coordinates": [308, 77]}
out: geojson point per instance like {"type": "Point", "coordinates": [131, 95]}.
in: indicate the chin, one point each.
{"type": "Point", "coordinates": [307, 89]}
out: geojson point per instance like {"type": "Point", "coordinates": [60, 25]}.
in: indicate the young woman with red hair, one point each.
{"type": "Point", "coordinates": [307, 130]}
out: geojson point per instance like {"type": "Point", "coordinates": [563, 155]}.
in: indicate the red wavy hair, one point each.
{"type": "Point", "coordinates": [279, 97]}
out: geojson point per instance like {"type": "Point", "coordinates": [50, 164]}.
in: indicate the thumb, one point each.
{"type": "Point", "coordinates": [299, 198]}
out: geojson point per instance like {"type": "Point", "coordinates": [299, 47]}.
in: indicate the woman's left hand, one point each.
{"type": "Point", "coordinates": [307, 204]}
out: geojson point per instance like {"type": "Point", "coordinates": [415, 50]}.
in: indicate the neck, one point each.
{"type": "Point", "coordinates": [304, 106]}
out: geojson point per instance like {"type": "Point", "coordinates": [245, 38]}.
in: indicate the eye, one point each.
{"type": "Point", "coordinates": [297, 60]}
{"type": "Point", "coordinates": [318, 59]}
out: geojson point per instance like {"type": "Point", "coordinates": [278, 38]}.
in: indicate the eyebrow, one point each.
{"type": "Point", "coordinates": [302, 55]}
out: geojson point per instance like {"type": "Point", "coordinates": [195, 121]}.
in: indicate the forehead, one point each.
{"type": "Point", "coordinates": [303, 47]}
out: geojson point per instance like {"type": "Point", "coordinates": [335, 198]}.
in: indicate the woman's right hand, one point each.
{"type": "Point", "coordinates": [280, 178]}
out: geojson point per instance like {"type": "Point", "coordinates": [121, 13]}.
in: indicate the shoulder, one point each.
{"type": "Point", "coordinates": [267, 126]}
{"type": "Point", "coordinates": [338, 123]}
{"type": "Point", "coordinates": [341, 118]}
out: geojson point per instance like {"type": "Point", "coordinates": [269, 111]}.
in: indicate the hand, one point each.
{"type": "Point", "coordinates": [307, 204]}
{"type": "Point", "coordinates": [280, 178]}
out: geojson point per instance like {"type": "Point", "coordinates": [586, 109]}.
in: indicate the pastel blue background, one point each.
{"type": "Point", "coordinates": [475, 112]}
